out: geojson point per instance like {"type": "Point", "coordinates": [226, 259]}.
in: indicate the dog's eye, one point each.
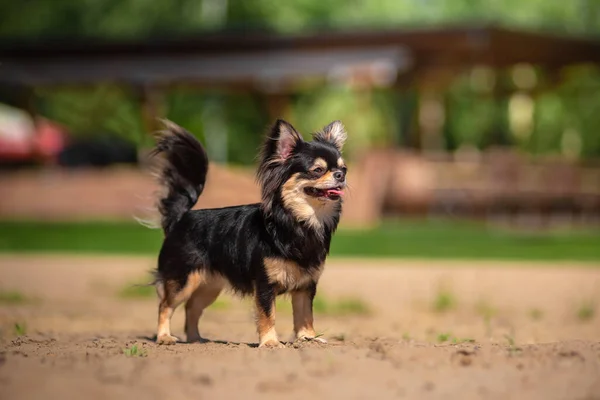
{"type": "Point", "coordinates": [318, 170]}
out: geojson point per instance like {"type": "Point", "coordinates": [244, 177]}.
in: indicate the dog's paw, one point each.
{"type": "Point", "coordinates": [312, 339]}
{"type": "Point", "coordinates": [271, 344]}
{"type": "Point", "coordinates": [196, 339]}
{"type": "Point", "coordinates": [166, 339]}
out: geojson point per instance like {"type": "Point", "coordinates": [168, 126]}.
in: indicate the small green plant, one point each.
{"type": "Point", "coordinates": [513, 349]}
{"type": "Point", "coordinates": [485, 309]}
{"type": "Point", "coordinates": [487, 322]}
{"type": "Point", "coordinates": [220, 304]}
{"type": "Point", "coordinates": [135, 351]}
{"type": "Point", "coordinates": [586, 311]}
{"type": "Point", "coordinates": [443, 337]}
{"type": "Point", "coordinates": [444, 301]}
{"type": "Point", "coordinates": [536, 314]}
{"type": "Point", "coordinates": [20, 329]}
{"type": "Point", "coordinates": [340, 337]}
{"type": "Point", "coordinates": [349, 306]}
{"type": "Point", "coordinates": [138, 290]}
{"type": "Point", "coordinates": [406, 336]}
{"type": "Point", "coordinates": [448, 337]}
{"type": "Point", "coordinates": [462, 340]}
{"type": "Point", "coordinates": [12, 298]}
{"type": "Point", "coordinates": [284, 305]}
{"type": "Point", "coordinates": [321, 305]}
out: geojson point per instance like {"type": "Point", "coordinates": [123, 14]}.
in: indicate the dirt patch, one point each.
{"type": "Point", "coordinates": [77, 335]}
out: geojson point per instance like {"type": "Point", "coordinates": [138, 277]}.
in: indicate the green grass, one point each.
{"type": "Point", "coordinates": [513, 349]}
{"type": "Point", "coordinates": [586, 311]}
{"type": "Point", "coordinates": [340, 337]}
{"type": "Point", "coordinates": [140, 289]}
{"type": "Point", "coordinates": [220, 304]}
{"type": "Point", "coordinates": [536, 314]}
{"type": "Point", "coordinates": [443, 337]}
{"type": "Point", "coordinates": [347, 306]}
{"type": "Point", "coordinates": [465, 240]}
{"type": "Point", "coordinates": [12, 297]}
{"type": "Point", "coordinates": [340, 307]}
{"type": "Point", "coordinates": [135, 351]}
{"type": "Point", "coordinates": [434, 239]}
{"type": "Point", "coordinates": [485, 309]}
{"type": "Point", "coordinates": [80, 237]}
{"type": "Point", "coordinates": [462, 340]}
{"type": "Point", "coordinates": [20, 328]}
{"type": "Point", "coordinates": [444, 301]}
{"type": "Point", "coordinates": [133, 291]}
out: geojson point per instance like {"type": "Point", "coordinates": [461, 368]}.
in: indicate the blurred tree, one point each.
{"type": "Point", "coordinates": [368, 116]}
{"type": "Point", "coordinates": [563, 119]}
{"type": "Point", "coordinates": [105, 108]}
{"type": "Point", "coordinates": [141, 18]}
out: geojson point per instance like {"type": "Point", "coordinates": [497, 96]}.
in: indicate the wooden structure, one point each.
{"type": "Point", "coordinates": [419, 64]}
{"type": "Point", "coordinates": [274, 66]}
{"type": "Point", "coordinates": [231, 60]}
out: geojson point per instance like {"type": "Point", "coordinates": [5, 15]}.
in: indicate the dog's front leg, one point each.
{"type": "Point", "coordinates": [265, 315]}
{"type": "Point", "coordinates": [302, 305]}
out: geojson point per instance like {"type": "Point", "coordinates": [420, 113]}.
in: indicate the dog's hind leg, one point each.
{"type": "Point", "coordinates": [203, 297]}
{"type": "Point", "coordinates": [171, 294]}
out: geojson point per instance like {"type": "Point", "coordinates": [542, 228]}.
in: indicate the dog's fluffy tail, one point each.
{"type": "Point", "coordinates": [183, 173]}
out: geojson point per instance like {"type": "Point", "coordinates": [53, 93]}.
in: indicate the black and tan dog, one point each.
{"type": "Point", "coordinates": [266, 249]}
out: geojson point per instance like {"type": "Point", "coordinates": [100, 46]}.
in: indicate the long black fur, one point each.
{"type": "Point", "coordinates": [184, 173]}
{"type": "Point", "coordinates": [234, 241]}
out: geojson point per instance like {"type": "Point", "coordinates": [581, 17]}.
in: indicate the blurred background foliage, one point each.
{"type": "Point", "coordinates": [564, 120]}
{"type": "Point", "coordinates": [142, 18]}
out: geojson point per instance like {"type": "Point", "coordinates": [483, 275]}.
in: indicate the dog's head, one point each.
{"type": "Point", "coordinates": [306, 178]}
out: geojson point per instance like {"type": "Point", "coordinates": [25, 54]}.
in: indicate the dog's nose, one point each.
{"type": "Point", "coordinates": [339, 176]}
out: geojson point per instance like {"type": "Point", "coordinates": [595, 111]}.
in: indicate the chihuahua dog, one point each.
{"type": "Point", "coordinates": [263, 250]}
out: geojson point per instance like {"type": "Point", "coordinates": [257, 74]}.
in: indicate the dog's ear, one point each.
{"type": "Point", "coordinates": [334, 133]}
{"type": "Point", "coordinates": [283, 140]}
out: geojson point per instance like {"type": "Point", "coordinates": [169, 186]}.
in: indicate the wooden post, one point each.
{"type": "Point", "coordinates": [432, 83]}
{"type": "Point", "coordinates": [25, 100]}
{"type": "Point", "coordinates": [214, 126]}
{"type": "Point", "coordinates": [27, 103]}
{"type": "Point", "coordinates": [408, 134]}
{"type": "Point", "coordinates": [499, 134]}
{"type": "Point", "coordinates": [151, 101]}
{"type": "Point", "coordinates": [278, 105]}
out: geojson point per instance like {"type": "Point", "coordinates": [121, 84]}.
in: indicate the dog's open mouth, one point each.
{"type": "Point", "coordinates": [334, 193]}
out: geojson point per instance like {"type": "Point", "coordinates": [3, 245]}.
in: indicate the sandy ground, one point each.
{"type": "Point", "coordinates": [526, 339]}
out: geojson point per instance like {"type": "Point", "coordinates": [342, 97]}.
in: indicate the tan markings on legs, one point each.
{"type": "Point", "coordinates": [170, 296]}
{"type": "Point", "coordinates": [303, 315]}
{"type": "Point", "coordinates": [267, 336]}
{"type": "Point", "coordinates": [203, 297]}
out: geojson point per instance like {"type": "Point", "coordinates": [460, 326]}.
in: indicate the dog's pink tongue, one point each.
{"type": "Point", "coordinates": [335, 192]}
